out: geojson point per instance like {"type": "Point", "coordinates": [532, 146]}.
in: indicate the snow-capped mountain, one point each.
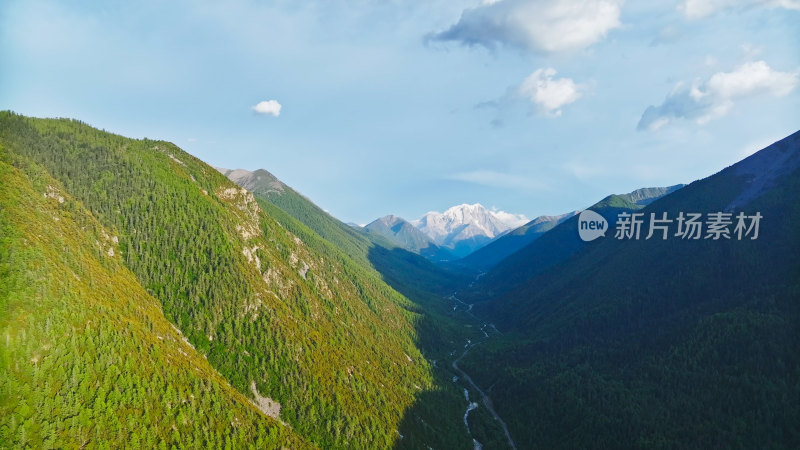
{"type": "Point", "coordinates": [465, 228]}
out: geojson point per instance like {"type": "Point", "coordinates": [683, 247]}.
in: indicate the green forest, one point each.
{"type": "Point", "coordinates": [88, 359]}
{"type": "Point", "coordinates": [659, 343]}
{"type": "Point", "coordinates": [306, 327]}
{"type": "Point", "coordinates": [146, 301]}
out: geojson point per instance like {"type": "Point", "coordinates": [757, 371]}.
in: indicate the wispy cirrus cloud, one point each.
{"type": "Point", "coordinates": [499, 179]}
{"type": "Point", "coordinates": [697, 9]}
{"type": "Point", "coordinates": [535, 25]}
{"type": "Point", "coordinates": [707, 100]}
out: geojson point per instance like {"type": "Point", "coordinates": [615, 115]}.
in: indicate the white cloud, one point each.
{"type": "Point", "coordinates": [513, 220]}
{"type": "Point", "coordinates": [547, 93]}
{"type": "Point", "coordinates": [705, 101]}
{"type": "Point", "coordinates": [536, 25]}
{"type": "Point", "coordinates": [697, 9]}
{"type": "Point", "coordinates": [268, 107]}
{"type": "Point", "coordinates": [498, 179]}
{"type": "Point", "coordinates": [751, 78]}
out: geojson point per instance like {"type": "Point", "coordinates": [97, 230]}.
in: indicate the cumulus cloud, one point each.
{"type": "Point", "coordinates": [548, 93]}
{"type": "Point", "coordinates": [708, 100]}
{"type": "Point", "coordinates": [697, 9]}
{"type": "Point", "coordinates": [268, 107]}
{"type": "Point", "coordinates": [535, 25]}
{"type": "Point", "coordinates": [499, 179]}
{"type": "Point", "coordinates": [514, 220]}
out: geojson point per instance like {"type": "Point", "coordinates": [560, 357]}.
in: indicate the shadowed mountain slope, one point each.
{"type": "Point", "coordinates": [675, 343]}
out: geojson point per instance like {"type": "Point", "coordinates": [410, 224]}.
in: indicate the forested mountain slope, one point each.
{"type": "Point", "coordinates": [675, 343]}
{"type": "Point", "coordinates": [408, 272]}
{"type": "Point", "coordinates": [504, 246]}
{"type": "Point", "coordinates": [337, 350]}
{"type": "Point", "coordinates": [436, 420]}
{"type": "Point", "coordinates": [549, 244]}
{"type": "Point", "coordinates": [88, 359]}
{"type": "Point", "coordinates": [552, 247]}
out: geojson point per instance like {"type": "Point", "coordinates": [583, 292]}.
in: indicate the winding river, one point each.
{"type": "Point", "coordinates": [485, 398]}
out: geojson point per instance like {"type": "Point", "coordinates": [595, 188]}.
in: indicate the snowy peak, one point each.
{"type": "Point", "coordinates": [465, 228]}
{"type": "Point", "coordinates": [466, 221]}
{"type": "Point", "coordinates": [450, 235]}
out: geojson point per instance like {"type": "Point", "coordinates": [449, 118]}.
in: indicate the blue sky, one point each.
{"type": "Point", "coordinates": [531, 106]}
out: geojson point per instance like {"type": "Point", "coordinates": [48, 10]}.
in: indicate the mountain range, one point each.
{"type": "Point", "coordinates": [150, 300]}
{"type": "Point", "coordinates": [405, 235]}
{"type": "Point", "coordinates": [143, 292]}
{"type": "Point", "coordinates": [465, 228]}
{"type": "Point", "coordinates": [539, 245]}
{"type": "Point", "coordinates": [657, 342]}
{"type": "Point", "coordinates": [447, 236]}
{"type": "Point", "coordinates": [508, 243]}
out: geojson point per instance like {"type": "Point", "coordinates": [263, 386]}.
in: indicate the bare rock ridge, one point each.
{"type": "Point", "coordinates": [267, 405]}
{"type": "Point", "coordinates": [252, 180]}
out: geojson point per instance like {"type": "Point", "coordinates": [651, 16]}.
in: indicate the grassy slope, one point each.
{"type": "Point", "coordinates": [337, 350]}
{"type": "Point", "coordinates": [88, 358]}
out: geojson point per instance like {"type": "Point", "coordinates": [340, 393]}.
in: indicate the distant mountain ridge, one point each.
{"type": "Point", "coordinates": [505, 246]}
{"type": "Point", "coordinates": [548, 243]}
{"type": "Point", "coordinates": [466, 221]}
{"type": "Point", "coordinates": [402, 233]}
{"type": "Point", "coordinates": [464, 228]}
